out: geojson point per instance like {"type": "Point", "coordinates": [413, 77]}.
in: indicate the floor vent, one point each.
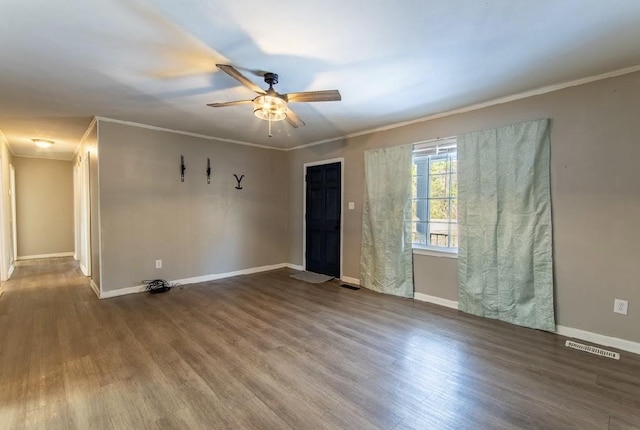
{"type": "Point", "coordinates": [592, 349]}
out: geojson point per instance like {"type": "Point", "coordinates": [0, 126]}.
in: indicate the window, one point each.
{"type": "Point", "coordinates": [435, 191]}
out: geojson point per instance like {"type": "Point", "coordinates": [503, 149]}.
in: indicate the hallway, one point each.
{"type": "Point", "coordinates": [43, 312]}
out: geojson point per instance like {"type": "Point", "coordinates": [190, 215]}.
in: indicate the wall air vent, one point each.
{"type": "Point", "coordinates": [592, 349]}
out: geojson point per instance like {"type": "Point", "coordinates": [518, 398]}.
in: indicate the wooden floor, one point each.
{"type": "Point", "coordinates": [266, 351]}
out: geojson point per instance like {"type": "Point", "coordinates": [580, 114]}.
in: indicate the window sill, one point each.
{"type": "Point", "coordinates": [434, 252]}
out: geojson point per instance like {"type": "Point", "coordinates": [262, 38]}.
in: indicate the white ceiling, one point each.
{"type": "Point", "coordinates": [153, 61]}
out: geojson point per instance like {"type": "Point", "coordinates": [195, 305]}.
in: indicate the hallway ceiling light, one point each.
{"type": "Point", "coordinates": [41, 143]}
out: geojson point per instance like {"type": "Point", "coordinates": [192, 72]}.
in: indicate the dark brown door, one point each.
{"type": "Point", "coordinates": [324, 184]}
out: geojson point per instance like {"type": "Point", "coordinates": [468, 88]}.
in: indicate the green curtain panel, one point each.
{"type": "Point", "coordinates": [386, 255]}
{"type": "Point", "coordinates": [505, 260]}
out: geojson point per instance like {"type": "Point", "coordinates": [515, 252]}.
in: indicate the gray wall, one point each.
{"type": "Point", "coordinates": [44, 206]}
{"type": "Point", "coordinates": [595, 190]}
{"type": "Point", "coordinates": [195, 228]}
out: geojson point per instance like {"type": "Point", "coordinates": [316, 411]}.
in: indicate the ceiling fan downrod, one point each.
{"type": "Point", "coordinates": [271, 79]}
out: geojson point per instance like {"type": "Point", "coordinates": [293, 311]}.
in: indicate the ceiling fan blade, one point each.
{"type": "Point", "coordinates": [293, 119]}
{"type": "Point", "coordinates": [231, 71]}
{"type": "Point", "coordinates": [314, 96]}
{"type": "Point", "coordinates": [256, 72]}
{"type": "Point", "coordinates": [225, 104]}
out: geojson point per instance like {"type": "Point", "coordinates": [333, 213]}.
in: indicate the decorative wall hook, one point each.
{"type": "Point", "coordinates": [238, 187]}
{"type": "Point", "coordinates": [208, 171]}
{"type": "Point", "coordinates": [182, 168]}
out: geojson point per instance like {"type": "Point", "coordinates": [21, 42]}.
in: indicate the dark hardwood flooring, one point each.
{"type": "Point", "coordinates": [266, 351]}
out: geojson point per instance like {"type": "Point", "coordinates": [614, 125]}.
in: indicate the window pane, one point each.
{"type": "Point", "coordinates": [419, 233]}
{"type": "Point", "coordinates": [440, 165]}
{"type": "Point", "coordinates": [454, 236]}
{"type": "Point", "coordinates": [420, 166]}
{"type": "Point", "coordinates": [439, 185]}
{"type": "Point", "coordinates": [439, 210]}
{"type": "Point", "coordinates": [420, 186]}
{"type": "Point", "coordinates": [454, 185]}
{"type": "Point", "coordinates": [440, 228]}
{"type": "Point", "coordinates": [434, 209]}
{"type": "Point", "coordinates": [439, 234]}
{"type": "Point", "coordinates": [420, 208]}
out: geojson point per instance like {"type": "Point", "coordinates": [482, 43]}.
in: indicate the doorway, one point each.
{"type": "Point", "coordinates": [323, 217]}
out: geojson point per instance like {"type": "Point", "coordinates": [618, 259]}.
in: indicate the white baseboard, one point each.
{"type": "Point", "coordinates": [295, 267]}
{"type": "Point", "coordinates": [613, 342]}
{"type": "Point", "coordinates": [436, 300]}
{"type": "Point", "coordinates": [84, 270]}
{"type": "Point", "coordinates": [349, 280]}
{"type": "Point", "coordinates": [193, 280]}
{"type": "Point", "coordinates": [216, 276]}
{"type": "Point", "coordinates": [599, 339]}
{"type": "Point", "coordinates": [122, 291]}
{"type": "Point", "coordinates": [94, 287]}
{"type": "Point", "coordinates": [54, 255]}
{"type": "Point", "coordinates": [12, 267]}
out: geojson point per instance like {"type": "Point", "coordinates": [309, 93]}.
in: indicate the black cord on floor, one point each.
{"type": "Point", "coordinates": [159, 286]}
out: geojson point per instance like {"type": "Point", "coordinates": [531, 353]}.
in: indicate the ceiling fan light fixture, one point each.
{"type": "Point", "coordinates": [41, 143]}
{"type": "Point", "coordinates": [271, 105]}
{"type": "Point", "coordinates": [270, 108]}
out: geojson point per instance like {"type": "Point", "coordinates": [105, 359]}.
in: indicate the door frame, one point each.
{"type": "Point", "coordinates": [76, 213]}
{"type": "Point", "coordinates": [304, 207]}
{"type": "Point", "coordinates": [85, 215]}
{"type": "Point", "coordinates": [14, 221]}
{"type": "Point", "coordinates": [4, 269]}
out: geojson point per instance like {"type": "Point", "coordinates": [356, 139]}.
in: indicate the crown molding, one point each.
{"type": "Point", "coordinates": [186, 133]}
{"type": "Point", "coordinates": [519, 96]}
{"type": "Point", "coordinates": [477, 106]}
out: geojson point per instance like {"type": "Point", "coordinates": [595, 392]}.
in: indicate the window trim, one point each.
{"type": "Point", "coordinates": [435, 252]}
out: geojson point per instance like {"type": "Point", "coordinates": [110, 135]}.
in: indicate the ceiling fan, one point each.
{"type": "Point", "coordinates": [270, 105]}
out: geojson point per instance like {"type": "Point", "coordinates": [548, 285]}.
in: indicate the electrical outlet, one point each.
{"type": "Point", "coordinates": [158, 264]}
{"type": "Point", "coordinates": [620, 306]}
